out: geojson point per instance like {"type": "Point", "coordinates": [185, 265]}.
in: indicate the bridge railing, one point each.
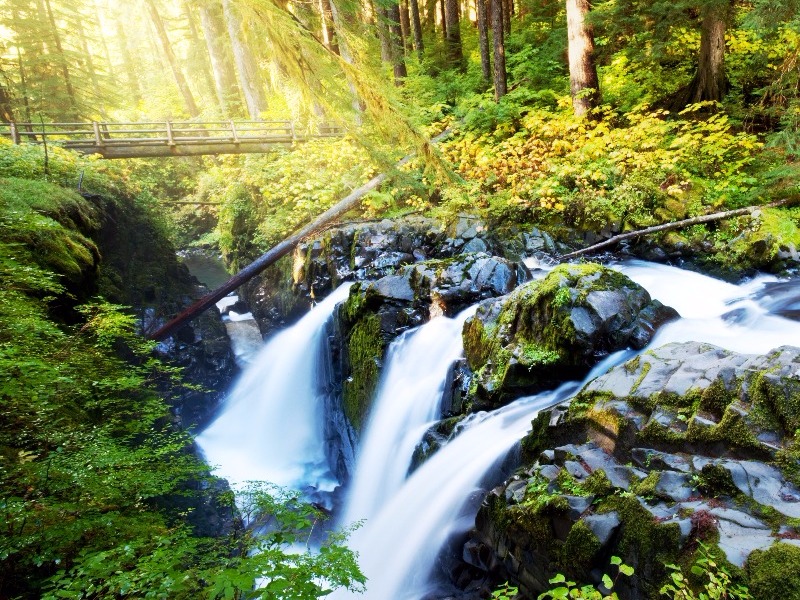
{"type": "Point", "coordinates": [99, 134]}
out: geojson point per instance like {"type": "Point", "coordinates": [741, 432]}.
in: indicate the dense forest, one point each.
{"type": "Point", "coordinates": [582, 119]}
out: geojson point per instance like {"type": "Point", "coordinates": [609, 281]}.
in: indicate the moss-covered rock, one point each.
{"type": "Point", "coordinates": [775, 573]}
{"type": "Point", "coordinates": [555, 329]}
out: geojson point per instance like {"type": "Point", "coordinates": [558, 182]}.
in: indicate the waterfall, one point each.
{"type": "Point", "coordinates": [399, 545]}
{"type": "Point", "coordinates": [271, 424]}
{"type": "Point", "coordinates": [406, 405]}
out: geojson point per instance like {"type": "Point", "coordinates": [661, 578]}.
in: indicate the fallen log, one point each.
{"type": "Point", "coordinates": [279, 250]}
{"type": "Point", "coordinates": [674, 225]}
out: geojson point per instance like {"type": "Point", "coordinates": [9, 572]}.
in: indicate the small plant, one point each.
{"type": "Point", "coordinates": [505, 592]}
{"type": "Point", "coordinates": [570, 589]}
{"type": "Point", "coordinates": [717, 584]}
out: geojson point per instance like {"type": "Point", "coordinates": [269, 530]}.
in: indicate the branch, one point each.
{"type": "Point", "coordinates": [675, 225]}
{"type": "Point", "coordinates": [281, 249]}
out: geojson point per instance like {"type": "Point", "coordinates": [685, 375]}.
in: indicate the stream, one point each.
{"type": "Point", "coordinates": [272, 424]}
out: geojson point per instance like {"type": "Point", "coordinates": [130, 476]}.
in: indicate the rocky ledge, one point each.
{"type": "Point", "coordinates": [686, 443]}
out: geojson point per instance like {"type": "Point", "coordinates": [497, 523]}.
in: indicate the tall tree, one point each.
{"type": "Point", "coordinates": [500, 84]}
{"type": "Point", "coordinates": [396, 42]}
{"type": "Point", "coordinates": [416, 26]}
{"type": "Point", "coordinates": [250, 80]}
{"type": "Point", "coordinates": [709, 82]}
{"type": "Point", "coordinates": [405, 25]}
{"type": "Point", "coordinates": [221, 59]}
{"type": "Point", "coordinates": [328, 29]}
{"type": "Point", "coordinates": [455, 53]}
{"type": "Point", "coordinates": [169, 54]}
{"type": "Point", "coordinates": [483, 40]}
{"type": "Point", "coordinates": [584, 84]}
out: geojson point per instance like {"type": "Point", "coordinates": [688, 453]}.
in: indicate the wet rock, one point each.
{"type": "Point", "coordinates": [555, 329]}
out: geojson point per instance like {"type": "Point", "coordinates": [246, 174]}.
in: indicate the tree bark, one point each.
{"type": "Point", "coordinates": [416, 26]}
{"type": "Point", "coordinates": [405, 26]}
{"type": "Point", "coordinates": [396, 44]}
{"type": "Point", "coordinates": [455, 53]}
{"type": "Point", "coordinates": [221, 60]}
{"type": "Point", "coordinates": [166, 47]}
{"type": "Point", "coordinates": [6, 110]}
{"type": "Point", "coordinates": [583, 82]}
{"type": "Point", "coordinates": [709, 82]}
{"type": "Point", "coordinates": [443, 13]}
{"type": "Point", "coordinates": [675, 225]}
{"type": "Point", "coordinates": [278, 251]}
{"type": "Point", "coordinates": [483, 40]}
{"type": "Point", "coordinates": [250, 81]}
{"type": "Point", "coordinates": [500, 85]}
{"type": "Point", "coordinates": [328, 28]}
{"type": "Point", "coordinates": [508, 9]}
{"type": "Point", "coordinates": [347, 56]}
{"type": "Point", "coordinates": [384, 33]}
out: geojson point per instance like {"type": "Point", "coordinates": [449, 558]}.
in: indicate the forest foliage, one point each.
{"type": "Point", "coordinates": [98, 488]}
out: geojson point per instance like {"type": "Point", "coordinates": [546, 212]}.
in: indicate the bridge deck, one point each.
{"type": "Point", "coordinates": [161, 139]}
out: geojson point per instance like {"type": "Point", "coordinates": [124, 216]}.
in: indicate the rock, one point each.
{"type": "Point", "coordinates": [555, 329]}
{"type": "Point", "coordinates": [603, 526]}
{"type": "Point", "coordinates": [674, 486]}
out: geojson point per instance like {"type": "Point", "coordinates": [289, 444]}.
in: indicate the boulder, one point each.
{"type": "Point", "coordinates": [555, 329]}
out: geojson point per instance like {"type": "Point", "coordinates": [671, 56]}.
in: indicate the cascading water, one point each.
{"type": "Point", "coordinates": [407, 404]}
{"type": "Point", "coordinates": [271, 425]}
{"type": "Point", "coordinates": [399, 545]}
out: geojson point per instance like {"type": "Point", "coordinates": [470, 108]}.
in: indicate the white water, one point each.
{"type": "Point", "coordinates": [399, 545]}
{"type": "Point", "coordinates": [271, 424]}
{"type": "Point", "coordinates": [407, 404]}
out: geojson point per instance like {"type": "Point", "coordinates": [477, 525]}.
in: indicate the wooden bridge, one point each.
{"type": "Point", "coordinates": [165, 138]}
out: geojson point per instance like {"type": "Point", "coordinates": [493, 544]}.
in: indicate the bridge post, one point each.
{"type": "Point", "coordinates": [98, 140]}
{"type": "Point", "coordinates": [170, 136]}
{"type": "Point", "coordinates": [294, 136]}
{"type": "Point", "coordinates": [234, 132]}
{"type": "Point", "coordinates": [14, 133]}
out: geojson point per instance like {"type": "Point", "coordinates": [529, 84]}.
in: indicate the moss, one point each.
{"type": "Point", "coordinates": [644, 543]}
{"type": "Point", "coordinates": [715, 398]}
{"type": "Point", "coordinates": [645, 370]}
{"type": "Point", "coordinates": [598, 484]}
{"type": "Point", "coordinates": [365, 349]}
{"type": "Point", "coordinates": [579, 550]}
{"type": "Point", "coordinates": [717, 481]}
{"type": "Point", "coordinates": [647, 486]}
{"type": "Point", "coordinates": [774, 573]}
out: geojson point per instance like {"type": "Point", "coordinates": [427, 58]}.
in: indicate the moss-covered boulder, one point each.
{"type": "Point", "coordinates": [555, 329]}
{"type": "Point", "coordinates": [687, 443]}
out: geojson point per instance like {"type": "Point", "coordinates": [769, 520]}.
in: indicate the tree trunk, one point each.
{"type": "Point", "coordinates": [405, 26]}
{"type": "Point", "coordinates": [709, 82]}
{"type": "Point", "coordinates": [166, 47]}
{"type": "Point", "coordinates": [508, 10]}
{"type": "Point", "coordinates": [483, 40]}
{"type": "Point", "coordinates": [416, 26]}
{"type": "Point", "coordinates": [584, 85]}
{"type": "Point", "coordinates": [130, 69]}
{"type": "Point", "coordinates": [6, 111]}
{"type": "Point", "coordinates": [500, 85]}
{"type": "Point", "coordinates": [396, 43]}
{"type": "Point", "coordinates": [221, 60]}
{"type": "Point", "coordinates": [455, 53]}
{"type": "Point", "coordinates": [384, 34]}
{"type": "Point", "coordinates": [443, 17]}
{"type": "Point", "coordinates": [328, 29]}
{"type": "Point", "coordinates": [62, 60]}
{"type": "Point", "coordinates": [250, 80]}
